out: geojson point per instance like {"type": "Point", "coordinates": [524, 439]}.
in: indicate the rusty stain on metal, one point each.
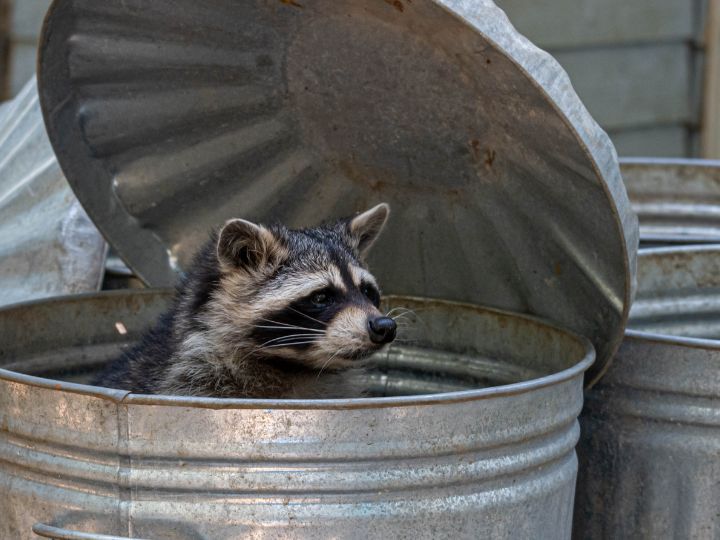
{"type": "Point", "coordinates": [490, 157]}
{"type": "Point", "coordinates": [397, 4]}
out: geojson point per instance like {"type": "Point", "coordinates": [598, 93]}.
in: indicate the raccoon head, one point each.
{"type": "Point", "coordinates": [305, 295]}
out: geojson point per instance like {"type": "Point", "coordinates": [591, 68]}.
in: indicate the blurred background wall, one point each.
{"type": "Point", "coordinates": [21, 21]}
{"type": "Point", "coordinates": [638, 65]}
{"type": "Point", "coordinates": [646, 69]}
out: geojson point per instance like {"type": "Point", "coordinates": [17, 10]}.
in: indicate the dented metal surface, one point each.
{"type": "Point", "coordinates": [504, 190]}
{"type": "Point", "coordinates": [677, 200]}
{"type": "Point", "coordinates": [650, 446]}
{"type": "Point", "coordinates": [48, 245]}
{"type": "Point", "coordinates": [495, 462]}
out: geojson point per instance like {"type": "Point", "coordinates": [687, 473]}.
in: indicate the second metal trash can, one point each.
{"type": "Point", "coordinates": [650, 446]}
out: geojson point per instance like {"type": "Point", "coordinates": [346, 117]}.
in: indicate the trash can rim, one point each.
{"type": "Point", "coordinates": [126, 397]}
{"type": "Point", "coordinates": [674, 339]}
{"type": "Point", "coordinates": [670, 340]}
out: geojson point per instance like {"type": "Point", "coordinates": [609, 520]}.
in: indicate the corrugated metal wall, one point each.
{"type": "Point", "coordinates": [636, 64]}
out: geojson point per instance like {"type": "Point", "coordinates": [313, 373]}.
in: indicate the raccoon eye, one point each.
{"type": "Point", "coordinates": [371, 293]}
{"type": "Point", "coordinates": [321, 298]}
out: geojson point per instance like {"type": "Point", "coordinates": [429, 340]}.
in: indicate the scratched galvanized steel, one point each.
{"type": "Point", "coordinates": [650, 449]}
{"type": "Point", "coordinates": [169, 119]}
{"type": "Point", "coordinates": [48, 245]}
{"type": "Point", "coordinates": [495, 462]}
{"type": "Point", "coordinates": [677, 200]}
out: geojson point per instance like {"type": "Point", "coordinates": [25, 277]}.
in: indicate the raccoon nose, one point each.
{"type": "Point", "coordinates": [382, 329]}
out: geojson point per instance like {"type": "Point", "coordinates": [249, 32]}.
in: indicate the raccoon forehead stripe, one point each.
{"type": "Point", "coordinates": [360, 275]}
{"type": "Point", "coordinates": [336, 277]}
{"type": "Point", "coordinates": [296, 287]}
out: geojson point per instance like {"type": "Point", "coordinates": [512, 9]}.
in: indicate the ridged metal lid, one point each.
{"type": "Point", "coordinates": [171, 116]}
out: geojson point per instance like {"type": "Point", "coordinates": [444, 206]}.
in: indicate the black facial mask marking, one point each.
{"type": "Point", "coordinates": [302, 322]}
{"type": "Point", "coordinates": [305, 320]}
{"type": "Point", "coordinates": [371, 293]}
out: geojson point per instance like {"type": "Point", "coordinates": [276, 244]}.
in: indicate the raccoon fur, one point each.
{"type": "Point", "coordinates": [266, 312]}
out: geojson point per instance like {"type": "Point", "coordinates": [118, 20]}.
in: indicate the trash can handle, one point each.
{"type": "Point", "coordinates": [46, 531]}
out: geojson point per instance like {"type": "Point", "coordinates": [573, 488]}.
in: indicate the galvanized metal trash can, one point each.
{"type": "Point", "coordinates": [504, 192]}
{"type": "Point", "coordinates": [650, 448]}
{"type": "Point", "coordinates": [677, 200]}
{"type": "Point", "coordinates": [496, 462]}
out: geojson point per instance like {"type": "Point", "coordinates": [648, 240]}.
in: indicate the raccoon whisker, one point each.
{"type": "Point", "coordinates": [261, 348]}
{"type": "Point", "coordinates": [402, 309]}
{"type": "Point", "coordinates": [293, 336]}
{"type": "Point", "coordinates": [393, 310]}
{"type": "Point", "coordinates": [405, 322]}
{"type": "Point", "coordinates": [304, 334]}
{"type": "Point", "coordinates": [327, 363]}
{"type": "Point", "coordinates": [408, 312]}
{"type": "Point", "coordinates": [402, 317]}
{"type": "Point", "coordinates": [289, 327]}
{"type": "Point", "coordinates": [306, 315]}
{"type": "Point", "coordinates": [287, 344]}
{"type": "Point", "coordinates": [276, 322]}
{"type": "Point", "coordinates": [266, 345]}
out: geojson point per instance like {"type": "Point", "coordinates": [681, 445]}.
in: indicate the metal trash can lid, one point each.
{"type": "Point", "coordinates": [170, 117]}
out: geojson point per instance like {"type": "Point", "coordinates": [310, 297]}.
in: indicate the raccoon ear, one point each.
{"type": "Point", "coordinates": [366, 227]}
{"type": "Point", "coordinates": [242, 244]}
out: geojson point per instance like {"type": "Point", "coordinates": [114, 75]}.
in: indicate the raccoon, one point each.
{"type": "Point", "coordinates": [267, 312]}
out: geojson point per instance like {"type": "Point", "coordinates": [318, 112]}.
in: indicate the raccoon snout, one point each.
{"type": "Point", "coordinates": [382, 329]}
